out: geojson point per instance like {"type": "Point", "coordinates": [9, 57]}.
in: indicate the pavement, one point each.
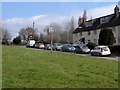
{"type": "Point", "coordinates": [115, 58]}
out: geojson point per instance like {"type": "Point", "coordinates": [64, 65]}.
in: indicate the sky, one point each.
{"type": "Point", "coordinates": [18, 15]}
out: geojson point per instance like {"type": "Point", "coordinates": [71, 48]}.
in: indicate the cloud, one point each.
{"type": "Point", "coordinates": [98, 12]}
{"type": "Point", "coordinates": [15, 24]}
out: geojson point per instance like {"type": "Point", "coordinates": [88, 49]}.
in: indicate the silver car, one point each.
{"type": "Point", "coordinates": [57, 46]}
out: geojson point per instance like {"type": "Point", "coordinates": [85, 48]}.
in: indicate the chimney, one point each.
{"type": "Point", "coordinates": [116, 11]}
{"type": "Point", "coordinates": [84, 18]}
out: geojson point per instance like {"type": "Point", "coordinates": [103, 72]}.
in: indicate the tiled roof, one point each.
{"type": "Point", "coordinates": [97, 25]}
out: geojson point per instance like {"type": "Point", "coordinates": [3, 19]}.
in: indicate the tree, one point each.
{"type": "Point", "coordinates": [28, 33]}
{"type": "Point", "coordinates": [0, 35]}
{"type": "Point", "coordinates": [55, 33]}
{"type": "Point", "coordinates": [17, 40]}
{"type": "Point", "coordinates": [119, 4]}
{"type": "Point", "coordinates": [106, 37]}
{"type": "Point", "coordinates": [71, 29]}
{"type": "Point", "coordinates": [79, 21]}
{"type": "Point", "coordinates": [6, 37]}
{"type": "Point", "coordinates": [41, 38]}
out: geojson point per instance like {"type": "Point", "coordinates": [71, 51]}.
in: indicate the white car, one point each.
{"type": "Point", "coordinates": [100, 50]}
{"type": "Point", "coordinates": [30, 43]}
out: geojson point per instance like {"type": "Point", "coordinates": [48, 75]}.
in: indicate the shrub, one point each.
{"type": "Point", "coordinates": [106, 37]}
{"type": "Point", "coordinates": [91, 45]}
{"type": "Point", "coordinates": [115, 48]}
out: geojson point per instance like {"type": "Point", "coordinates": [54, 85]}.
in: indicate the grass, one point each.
{"type": "Point", "coordinates": [29, 68]}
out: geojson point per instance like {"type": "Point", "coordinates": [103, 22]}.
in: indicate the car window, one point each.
{"type": "Point", "coordinates": [97, 48]}
{"type": "Point", "coordinates": [76, 46]}
{"type": "Point", "coordinates": [59, 44]}
{"type": "Point", "coordinates": [105, 48]}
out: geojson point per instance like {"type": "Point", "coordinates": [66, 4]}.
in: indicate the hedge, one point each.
{"type": "Point", "coordinates": [115, 48]}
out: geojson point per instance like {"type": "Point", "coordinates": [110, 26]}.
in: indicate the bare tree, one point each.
{"type": "Point", "coordinates": [64, 37]}
{"type": "Point", "coordinates": [6, 37]}
{"type": "Point", "coordinates": [119, 4]}
{"type": "Point", "coordinates": [71, 29]}
{"type": "Point", "coordinates": [56, 33]}
{"type": "Point", "coordinates": [79, 21]}
{"type": "Point", "coordinates": [47, 34]}
{"type": "Point", "coordinates": [28, 33]}
{"type": "Point", "coordinates": [0, 35]}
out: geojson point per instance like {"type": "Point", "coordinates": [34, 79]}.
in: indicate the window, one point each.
{"type": "Point", "coordinates": [113, 29]}
{"type": "Point", "coordinates": [95, 41]}
{"type": "Point", "coordinates": [95, 32]}
{"type": "Point", "coordinates": [88, 32]}
{"type": "Point", "coordinates": [76, 35]}
{"type": "Point", "coordinates": [89, 23]}
{"type": "Point", "coordinates": [80, 33]}
{"type": "Point", "coordinates": [88, 41]}
{"type": "Point", "coordinates": [105, 19]}
{"type": "Point", "coordinates": [118, 40]}
{"type": "Point", "coordinates": [97, 48]}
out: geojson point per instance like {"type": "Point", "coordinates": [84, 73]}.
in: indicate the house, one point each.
{"type": "Point", "coordinates": [88, 31]}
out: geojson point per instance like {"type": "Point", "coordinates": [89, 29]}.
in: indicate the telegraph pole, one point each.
{"type": "Point", "coordinates": [33, 25]}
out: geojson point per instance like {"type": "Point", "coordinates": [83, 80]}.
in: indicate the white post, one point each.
{"type": "Point", "coordinates": [51, 36]}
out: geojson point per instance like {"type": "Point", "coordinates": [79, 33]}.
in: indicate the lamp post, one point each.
{"type": "Point", "coordinates": [51, 36]}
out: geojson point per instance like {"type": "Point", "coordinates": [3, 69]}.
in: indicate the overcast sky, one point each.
{"type": "Point", "coordinates": [17, 15]}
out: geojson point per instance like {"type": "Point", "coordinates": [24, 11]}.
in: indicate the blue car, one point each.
{"type": "Point", "coordinates": [68, 48]}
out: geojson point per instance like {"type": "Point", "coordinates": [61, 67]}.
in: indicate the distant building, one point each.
{"type": "Point", "coordinates": [88, 31]}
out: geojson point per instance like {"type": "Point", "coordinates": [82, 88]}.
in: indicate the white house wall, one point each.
{"type": "Point", "coordinates": [94, 37]}
{"type": "Point", "coordinates": [118, 35]}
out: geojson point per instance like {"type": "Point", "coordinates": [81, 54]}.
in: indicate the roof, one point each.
{"type": "Point", "coordinates": [113, 21]}
{"type": "Point", "coordinates": [101, 46]}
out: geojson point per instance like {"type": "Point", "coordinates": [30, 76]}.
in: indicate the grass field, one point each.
{"type": "Point", "coordinates": [29, 68]}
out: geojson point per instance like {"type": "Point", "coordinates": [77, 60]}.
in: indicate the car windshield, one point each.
{"type": "Point", "coordinates": [104, 48]}
{"type": "Point", "coordinates": [59, 44]}
{"type": "Point", "coordinates": [83, 46]}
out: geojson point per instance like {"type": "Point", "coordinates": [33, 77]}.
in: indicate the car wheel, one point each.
{"type": "Point", "coordinates": [91, 54]}
{"type": "Point", "coordinates": [100, 54]}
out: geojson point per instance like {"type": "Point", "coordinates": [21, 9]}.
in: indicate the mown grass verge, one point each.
{"type": "Point", "coordinates": [29, 68]}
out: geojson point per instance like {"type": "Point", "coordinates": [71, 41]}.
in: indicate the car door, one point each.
{"type": "Point", "coordinates": [96, 50]}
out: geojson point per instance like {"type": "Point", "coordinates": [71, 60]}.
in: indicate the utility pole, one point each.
{"type": "Point", "coordinates": [33, 25]}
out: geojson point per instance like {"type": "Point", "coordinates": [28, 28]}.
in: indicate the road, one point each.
{"type": "Point", "coordinates": [115, 58]}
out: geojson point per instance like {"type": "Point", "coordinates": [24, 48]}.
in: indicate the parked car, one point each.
{"type": "Point", "coordinates": [82, 48]}
{"type": "Point", "coordinates": [30, 43]}
{"type": "Point", "coordinates": [39, 45]}
{"type": "Point", "coordinates": [100, 50]}
{"type": "Point", "coordinates": [48, 46]}
{"type": "Point", "coordinates": [68, 48]}
{"type": "Point", "coordinates": [57, 46]}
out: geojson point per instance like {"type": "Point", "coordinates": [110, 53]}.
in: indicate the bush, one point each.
{"type": "Point", "coordinates": [115, 48]}
{"type": "Point", "coordinates": [106, 37]}
{"type": "Point", "coordinates": [91, 45]}
{"type": "Point", "coordinates": [17, 40]}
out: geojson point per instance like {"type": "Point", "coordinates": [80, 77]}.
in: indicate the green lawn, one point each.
{"type": "Point", "coordinates": [28, 68]}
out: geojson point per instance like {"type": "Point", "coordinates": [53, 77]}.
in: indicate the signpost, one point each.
{"type": "Point", "coordinates": [51, 36]}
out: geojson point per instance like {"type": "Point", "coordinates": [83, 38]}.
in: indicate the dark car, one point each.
{"type": "Point", "coordinates": [68, 48]}
{"type": "Point", "coordinates": [82, 48]}
{"type": "Point", "coordinates": [48, 47]}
